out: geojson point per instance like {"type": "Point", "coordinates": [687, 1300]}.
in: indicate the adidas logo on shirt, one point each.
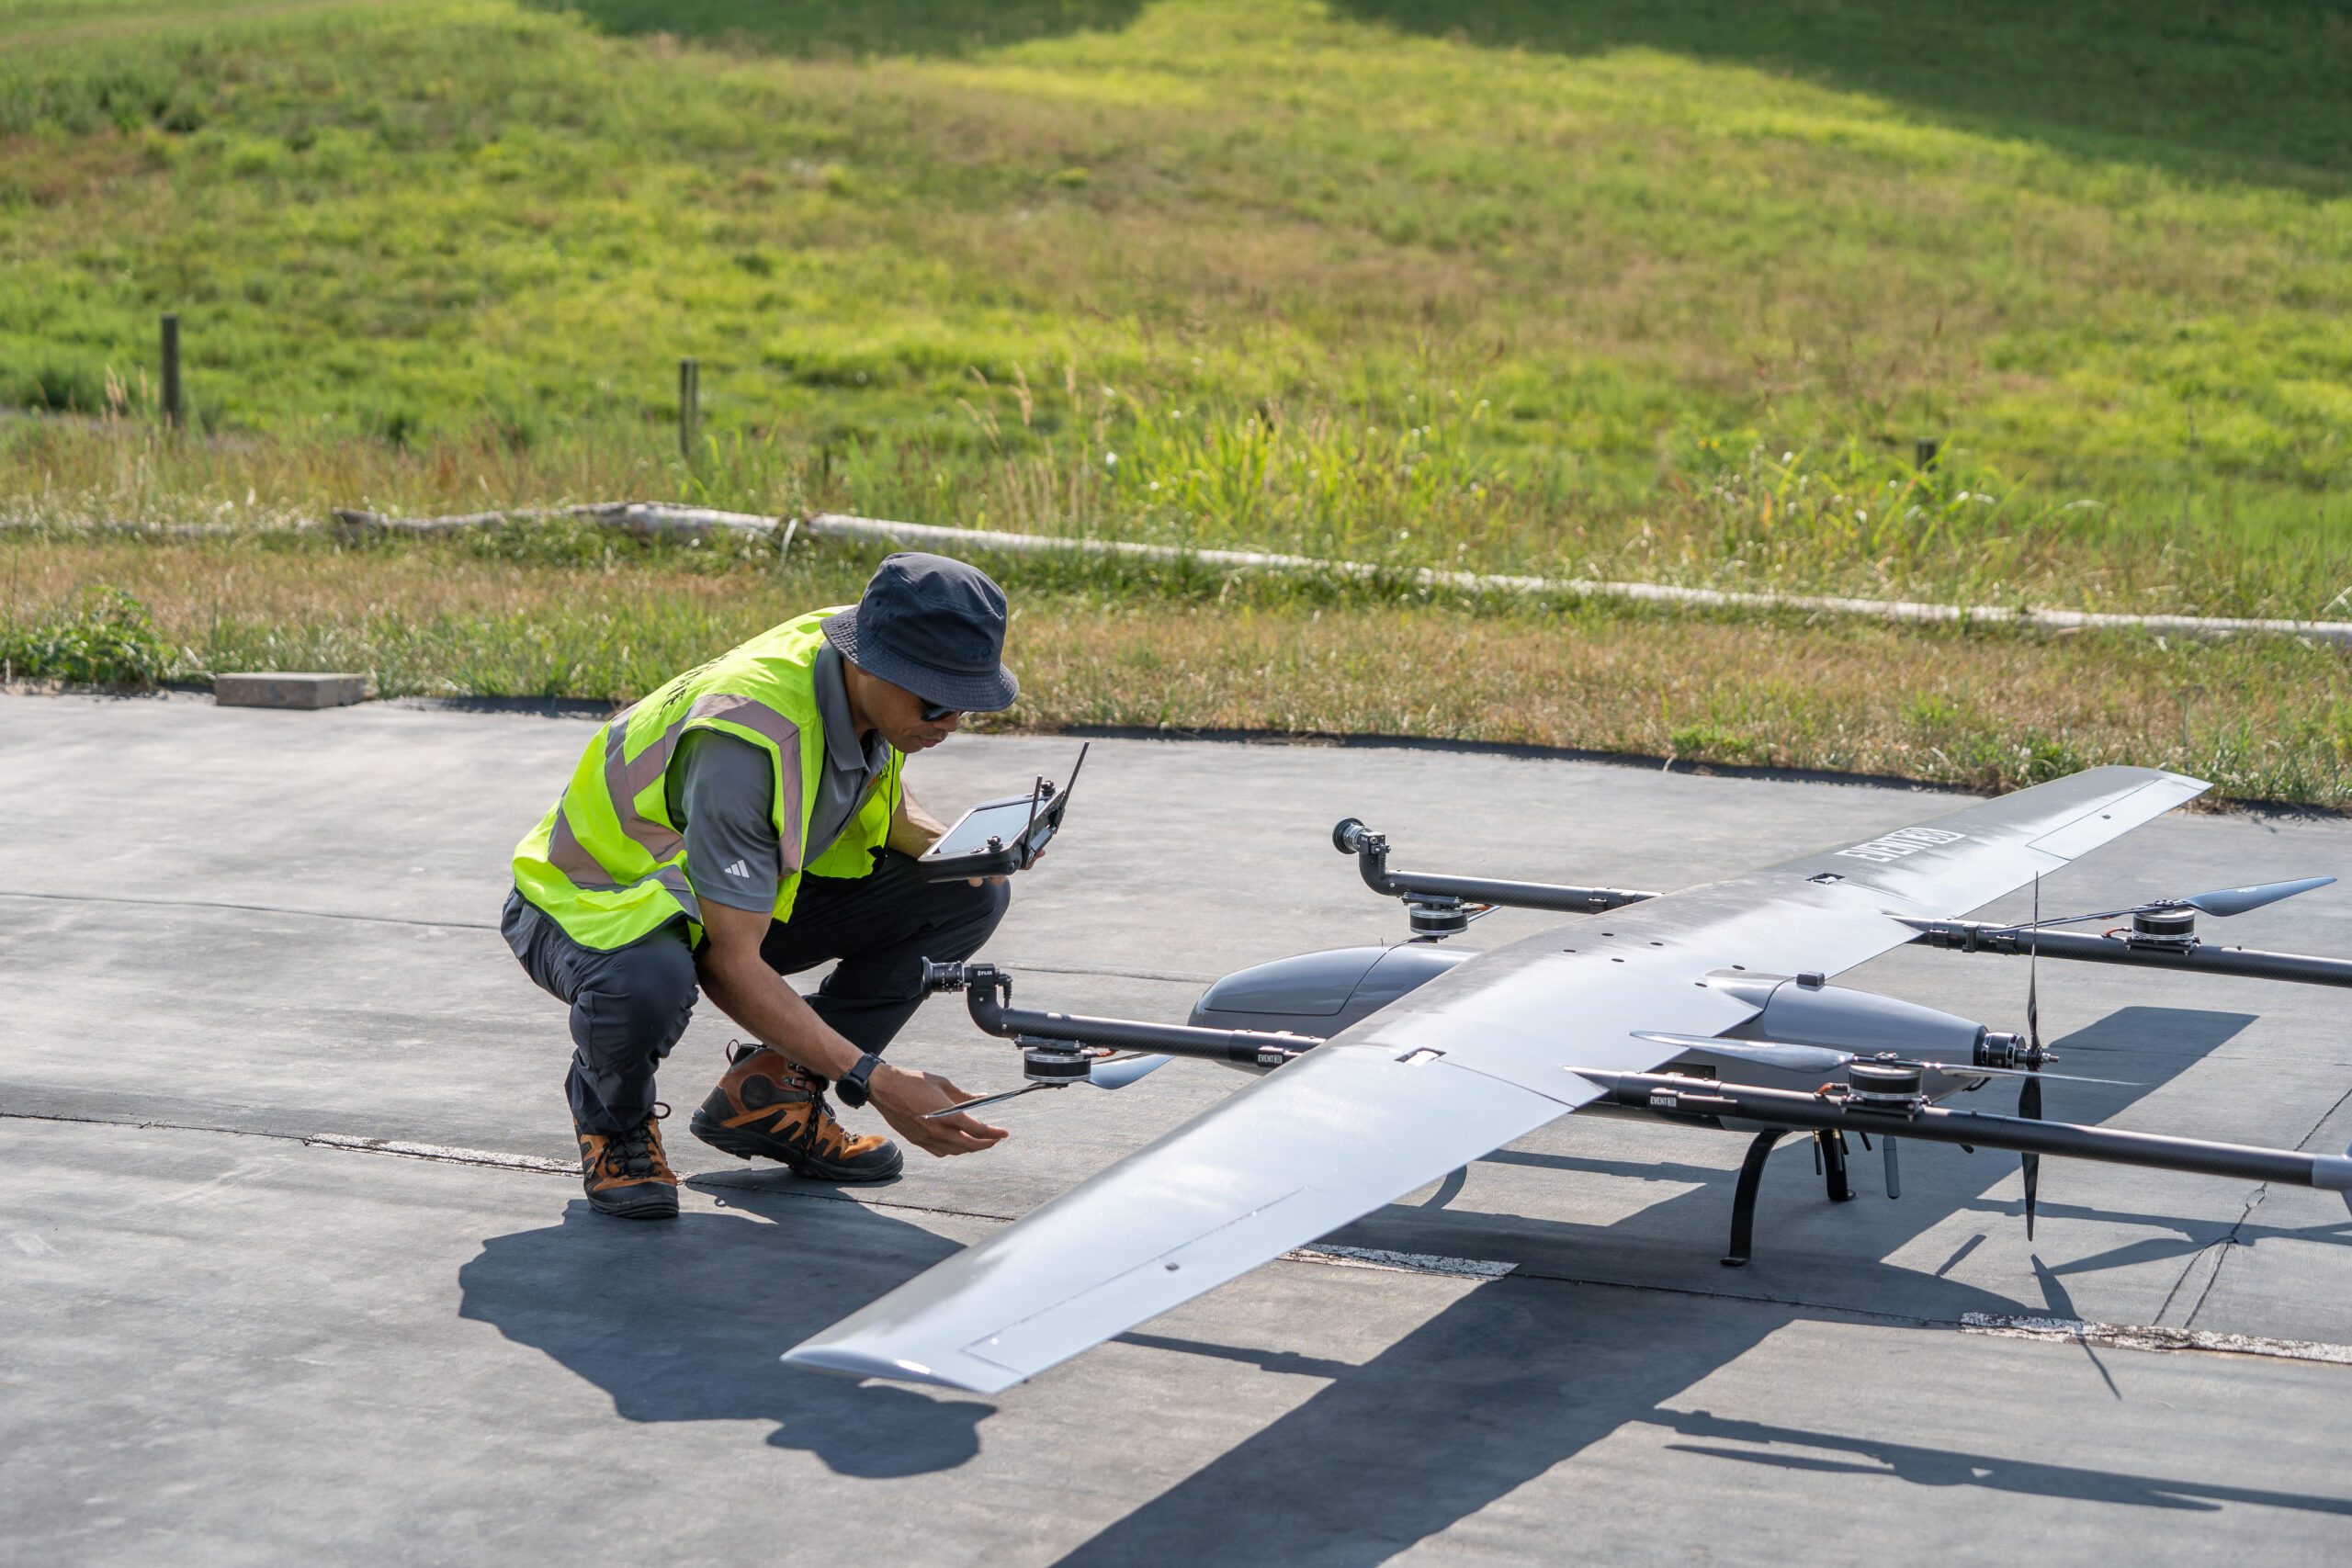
{"type": "Point", "coordinates": [739, 869]}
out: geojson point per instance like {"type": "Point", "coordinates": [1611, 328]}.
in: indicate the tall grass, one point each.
{"type": "Point", "coordinates": [1414, 490]}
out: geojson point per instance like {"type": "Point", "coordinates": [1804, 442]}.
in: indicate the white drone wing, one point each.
{"type": "Point", "coordinates": [1451, 1071]}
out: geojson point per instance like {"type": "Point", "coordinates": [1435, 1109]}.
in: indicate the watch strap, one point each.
{"type": "Point", "coordinates": [852, 1086]}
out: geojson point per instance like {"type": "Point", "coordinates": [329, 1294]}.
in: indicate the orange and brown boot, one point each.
{"type": "Point", "coordinates": [626, 1174]}
{"type": "Point", "coordinates": [769, 1108]}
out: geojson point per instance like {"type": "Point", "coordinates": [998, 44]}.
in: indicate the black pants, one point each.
{"type": "Point", "coordinates": [629, 1005]}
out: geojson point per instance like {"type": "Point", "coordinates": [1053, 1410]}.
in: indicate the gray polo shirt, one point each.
{"type": "Point", "coordinates": [722, 795]}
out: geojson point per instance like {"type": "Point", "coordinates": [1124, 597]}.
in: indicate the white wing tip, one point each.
{"type": "Point", "coordinates": [841, 1361]}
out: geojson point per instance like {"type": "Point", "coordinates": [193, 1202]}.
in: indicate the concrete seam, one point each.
{"type": "Point", "coordinates": [706, 1183]}
{"type": "Point", "coordinates": [2324, 1117]}
{"type": "Point", "coordinates": [255, 908]}
{"type": "Point", "coordinates": [2221, 1248]}
{"type": "Point", "coordinates": [350, 1142]}
{"type": "Point", "coordinates": [1103, 970]}
{"type": "Point", "coordinates": [2153, 1340]}
{"type": "Point", "coordinates": [2151, 1337]}
{"type": "Point", "coordinates": [483, 1159]}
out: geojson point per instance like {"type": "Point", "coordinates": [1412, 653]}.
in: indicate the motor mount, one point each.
{"type": "Point", "coordinates": [1054, 1062]}
{"type": "Point", "coordinates": [2000, 1048]}
{"type": "Point", "coordinates": [1431, 918]}
{"type": "Point", "coordinates": [1888, 1085]}
{"type": "Point", "coordinates": [2171, 931]}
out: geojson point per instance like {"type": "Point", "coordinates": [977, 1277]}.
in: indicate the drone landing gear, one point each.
{"type": "Point", "coordinates": [1743, 1198]}
{"type": "Point", "coordinates": [1828, 1162]}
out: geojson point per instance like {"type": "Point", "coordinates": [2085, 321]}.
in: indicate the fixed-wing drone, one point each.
{"type": "Point", "coordinates": [1386, 1067]}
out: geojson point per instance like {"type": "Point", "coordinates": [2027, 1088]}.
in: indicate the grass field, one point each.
{"type": "Point", "coordinates": [1665, 291]}
{"type": "Point", "coordinates": [557, 613]}
{"type": "Point", "coordinates": [1669, 288]}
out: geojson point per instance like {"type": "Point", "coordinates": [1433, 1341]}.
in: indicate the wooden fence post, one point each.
{"type": "Point", "coordinates": [173, 410]}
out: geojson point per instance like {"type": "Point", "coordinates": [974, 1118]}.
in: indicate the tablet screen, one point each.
{"type": "Point", "coordinates": [972, 834]}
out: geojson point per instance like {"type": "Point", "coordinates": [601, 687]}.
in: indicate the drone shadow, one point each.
{"type": "Point", "coordinates": [681, 1321]}
{"type": "Point", "coordinates": [1505, 1385]}
{"type": "Point", "coordinates": [1952, 1467]}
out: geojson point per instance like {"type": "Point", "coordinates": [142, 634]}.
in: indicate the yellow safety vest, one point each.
{"type": "Point", "coordinates": [607, 864]}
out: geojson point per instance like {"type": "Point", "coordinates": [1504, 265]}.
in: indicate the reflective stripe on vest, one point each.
{"type": "Point", "coordinates": [607, 863]}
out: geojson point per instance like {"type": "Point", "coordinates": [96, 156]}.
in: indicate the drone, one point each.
{"type": "Point", "coordinates": [1381, 1069]}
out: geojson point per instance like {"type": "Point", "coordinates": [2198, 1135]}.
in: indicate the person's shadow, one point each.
{"type": "Point", "coordinates": [683, 1320]}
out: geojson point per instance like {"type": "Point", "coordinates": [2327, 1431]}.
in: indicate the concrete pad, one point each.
{"type": "Point", "coordinates": [233, 1346]}
{"type": "Point", "coordinates": [287, 689]}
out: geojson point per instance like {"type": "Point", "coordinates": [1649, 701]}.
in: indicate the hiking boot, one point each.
{"type": "Point", "coordinates": [626, 1175]}
{"type": "Point", "coordinates": [769, 1106]}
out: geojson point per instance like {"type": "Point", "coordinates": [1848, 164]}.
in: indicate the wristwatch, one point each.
{"type": "Point", "coordinates": [852, 1086]}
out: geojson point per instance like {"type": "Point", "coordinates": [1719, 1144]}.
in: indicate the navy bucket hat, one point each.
{"type": "Point", "coordinates": [933, 625]}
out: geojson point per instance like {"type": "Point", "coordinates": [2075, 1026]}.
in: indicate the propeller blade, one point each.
{"type": "Point", "coordinates": [1118, 1072]}
{"type": "Point", "coordinates": [2033, 975]}
{"type": "Point", "coordinates": [988, 1099]}
{"type": "Point", "coordinates": [2029, 1106]}
{"type": "Point", "coordinates": [2030, 1073]}
{"type": "Point", "coordinates": [2238, 900]}
{"type": "Point", "coordinates": [2029, 1094]}
{"type": "Point", "coordinates": [1111, 1072]}
{"type": "Point", "coordinates": [1763, 1053]}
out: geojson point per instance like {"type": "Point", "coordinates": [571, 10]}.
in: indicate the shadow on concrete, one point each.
{"type": "Point", "coordinates": [1632, 1170]}
{"type": "Point", "coordinates": [1947, 1468]}
{"type": "Point", "coordinates": [684, 1321]}
{"type": "Point", "coordinates": [1500, 1387]}
{"type": "Point", "coordinates": [854, 28]}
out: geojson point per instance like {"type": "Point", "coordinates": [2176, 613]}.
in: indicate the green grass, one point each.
{"type": "Point", "coordinates": [1665, 290]}
{"type": "Point", "coordinates": [574, 613]}
{"type": "Point", "coordinates": [103, 639]}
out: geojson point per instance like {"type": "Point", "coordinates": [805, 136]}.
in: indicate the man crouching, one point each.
{"type": "Point", "coordinates": [747, 820]}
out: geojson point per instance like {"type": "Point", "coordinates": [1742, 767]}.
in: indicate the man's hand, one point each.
{"type": "Point", "coordinates": [906, 1101]}
{"type": "Point", "coordinates": [975, 881]}
{"type": "Point", "coordinates": [736, 977]}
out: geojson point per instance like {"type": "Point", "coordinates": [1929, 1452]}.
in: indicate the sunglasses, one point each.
{"type": "Point", "coordinates": [933, 713]}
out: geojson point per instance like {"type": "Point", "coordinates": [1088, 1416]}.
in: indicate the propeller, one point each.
{"type": "Point", "coordinates": [2029, 1092]}
{"type": "Point", "coordinates": [2222, 902]}
{"type": "Point", "coordinates": [1793, 1058]}
{"type": "Point", "coordinates": [2238, 900]}
{"type": "Point", "coordinates": [1118, 1072]}
{"type": "Point", "coordinates": [1104, 1072]}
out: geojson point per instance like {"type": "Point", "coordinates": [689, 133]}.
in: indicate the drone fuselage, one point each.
{"type": "Point", "coordinates": [1324, 992]}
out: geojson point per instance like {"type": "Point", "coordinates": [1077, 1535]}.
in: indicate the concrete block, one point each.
{"type": "Point", "coordinates": [287, 689]}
